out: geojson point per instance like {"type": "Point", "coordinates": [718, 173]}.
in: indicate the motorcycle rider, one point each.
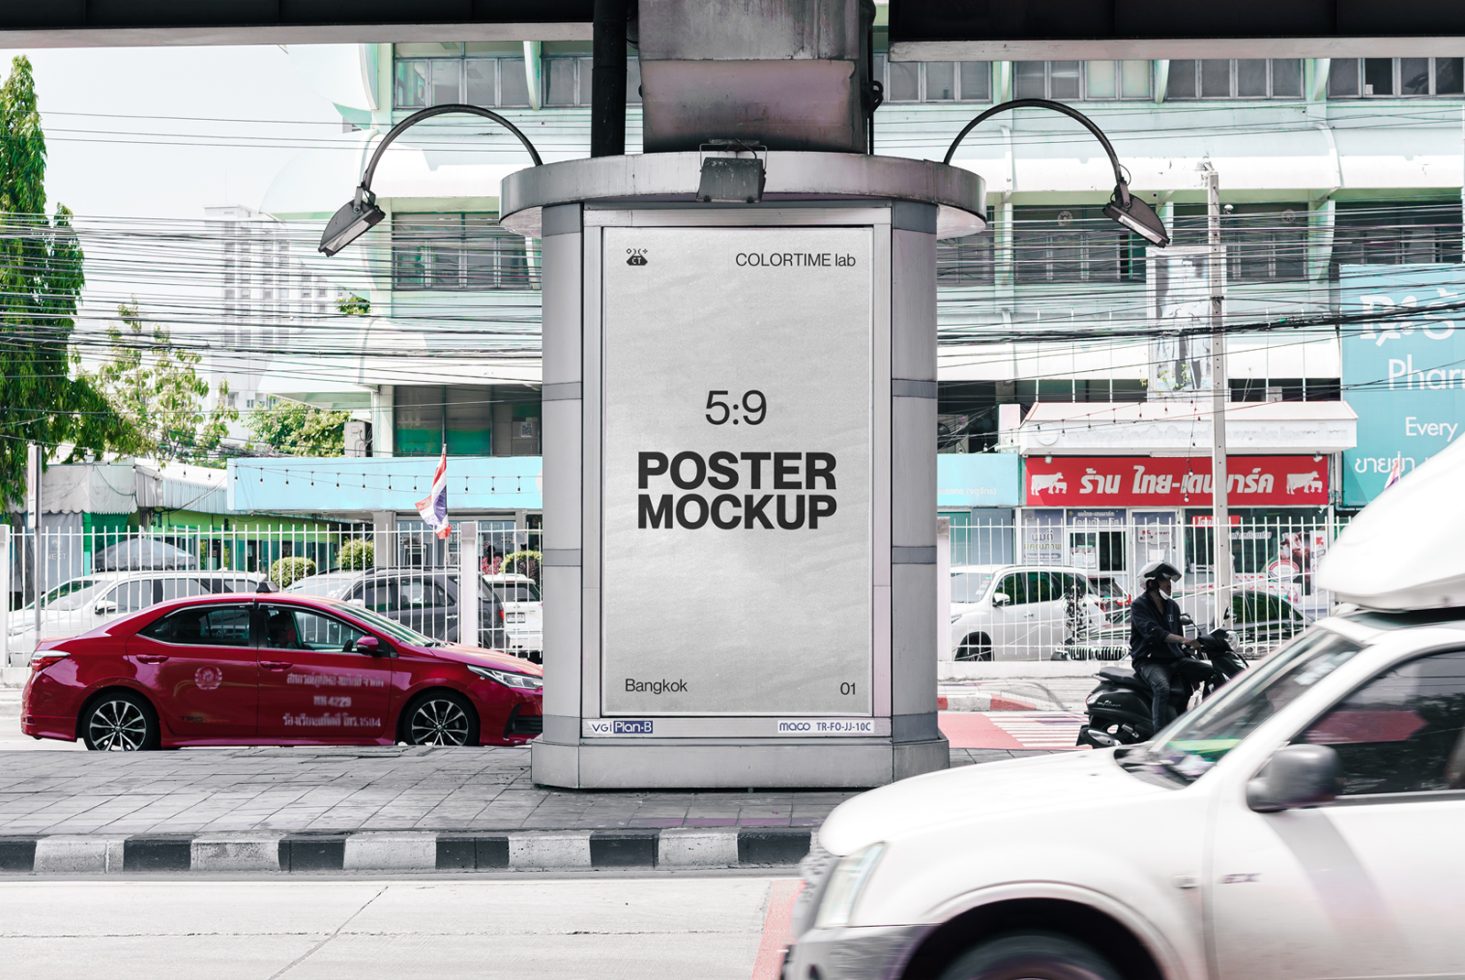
{"type": "Point", "coordinates": [1155, 638]}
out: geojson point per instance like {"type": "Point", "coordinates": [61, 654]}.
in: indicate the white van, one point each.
{"type": "Point", "coordinates": [1018, 612]}
{"type": "Point", "coordinates": [1302, 823]}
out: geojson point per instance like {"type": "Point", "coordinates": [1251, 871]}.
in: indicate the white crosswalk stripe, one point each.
{"type": "Point", "coordinates": [1040, 729]}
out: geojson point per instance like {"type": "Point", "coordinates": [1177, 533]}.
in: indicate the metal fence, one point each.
{"type": "Point", "coordinates": [88, 577]}
{"type": "Point", "coordinates": [1052, 587]}
{"type": "Point", "coordinates": [1028, 589]}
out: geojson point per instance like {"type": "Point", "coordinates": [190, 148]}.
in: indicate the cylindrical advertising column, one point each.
{"type": "Point", "coordinates": [739, 476]}
{"type": "Point", "coordinates": [563, 573]}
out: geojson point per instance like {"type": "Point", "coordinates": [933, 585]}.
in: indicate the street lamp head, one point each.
{"type": "Point", "coordinates": [353, 220]}
{"type": "Point", "coordinates": [1137, 216]}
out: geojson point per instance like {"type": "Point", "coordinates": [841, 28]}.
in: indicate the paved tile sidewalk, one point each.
{"type": "Point", "coordinates": [293, 790]}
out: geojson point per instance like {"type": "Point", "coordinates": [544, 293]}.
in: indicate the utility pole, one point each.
{"type": "Point", "coordinates": [38, 581]}
{"type": "Point", "coordinates": [1220, 393]}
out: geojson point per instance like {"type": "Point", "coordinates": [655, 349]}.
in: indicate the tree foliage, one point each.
{"type": "Point", "coordinates": [353, 305]}
{"type": "Point", "coordinates": [299, 430]}
{"type": "Point", "coordinates": [41, 277]}
{"type": "Point", "coordinates": [357, 554]}
{"type": "Point", "coordinates": [155, 387]}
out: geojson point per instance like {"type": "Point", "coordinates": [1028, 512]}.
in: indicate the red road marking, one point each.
{"type": "Point", "coordinates": [971, 730]}
{"type": "Point", "coordinates": [777, 928]}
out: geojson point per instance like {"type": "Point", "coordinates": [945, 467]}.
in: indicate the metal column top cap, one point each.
{"type": "Point", "coordinates": [960, 195]}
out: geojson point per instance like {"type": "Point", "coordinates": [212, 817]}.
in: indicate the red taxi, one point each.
{"type": "Point", "coordinates": [274, 670]}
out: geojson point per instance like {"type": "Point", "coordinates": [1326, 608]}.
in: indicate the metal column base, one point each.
{"type": "Point", "coordinates": [719, 764]}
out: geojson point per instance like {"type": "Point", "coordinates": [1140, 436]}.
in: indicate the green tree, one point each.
{"type": "Point", "coordinates": [156, 389]}
{"type": "Point", "coordinates": [299, 430]}
{"type": "Point", "coordinates": [353, 305]}
{"type": "Point", "coordinates": [41, 398]}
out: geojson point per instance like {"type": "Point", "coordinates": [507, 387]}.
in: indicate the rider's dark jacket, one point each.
{"type": "Point", "coordinates": [1148, 629]}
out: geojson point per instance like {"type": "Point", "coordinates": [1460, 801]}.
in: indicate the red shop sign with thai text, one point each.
{"type": "Point", "coordinates": [1171, 481]}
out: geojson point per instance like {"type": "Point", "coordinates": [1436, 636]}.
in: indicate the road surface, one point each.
{"type": "Point", "coordinates": [543, 926]}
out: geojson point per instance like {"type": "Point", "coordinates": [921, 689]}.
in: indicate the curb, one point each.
{"type": "Point", "coordinates": [984, 702]}
{"type": "Point", "coordinates": [411, 851]}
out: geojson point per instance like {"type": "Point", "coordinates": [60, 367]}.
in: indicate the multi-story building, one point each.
{"type": "Point", "coordinates": [1052, 322]}
{"type": "Point", "coordinates": [268, 297]}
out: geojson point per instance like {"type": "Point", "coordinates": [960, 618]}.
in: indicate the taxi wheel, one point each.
{"type": "Point", "coordinates": [119, 721]}
{"type": "Point", "coordinates": [440, 718]}
{"type": "Point", "coordinates": [1031, 956]}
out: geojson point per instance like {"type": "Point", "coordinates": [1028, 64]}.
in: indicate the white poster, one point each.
{"type": "Point", "coordinates": [736, 547]}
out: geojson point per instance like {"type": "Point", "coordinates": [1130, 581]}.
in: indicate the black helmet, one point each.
{"type": "Point", "coordinates": [1157, 570]}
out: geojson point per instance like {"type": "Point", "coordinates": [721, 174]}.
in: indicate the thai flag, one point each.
{"type": "Point", "coordinates": [434, 507]}
{"type": "Point", "coordinates": [1396, 472]}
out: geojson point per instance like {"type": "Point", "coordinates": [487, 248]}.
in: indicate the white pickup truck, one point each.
{"type": "Point", "coordinates": [1303, 823]}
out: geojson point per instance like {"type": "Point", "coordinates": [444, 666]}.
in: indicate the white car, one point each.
{"type": "Point", "coordinates": [88, 601]}
{"type": "Point", "coordinates": [1018, 612]}
{"type": "Point", "coordinates": [523, 614]}
{"type": "Point", "coordinates": [1302, 823]}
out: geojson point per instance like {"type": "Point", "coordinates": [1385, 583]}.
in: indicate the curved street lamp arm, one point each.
{"type": "Point", "coordinates": [439, 110]}
{"type": "Point", "coordinates": [1069, 111]}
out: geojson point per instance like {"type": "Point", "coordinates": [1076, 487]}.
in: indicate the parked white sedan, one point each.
{"type": "Point", "coordinates": [1019, 612]}
{"type": "Point", "coordinates": [86, 602]}
{"type": "Point", "coordinates": [523, 608]}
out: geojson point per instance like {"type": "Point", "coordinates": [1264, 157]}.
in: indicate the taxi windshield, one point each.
{"type": "Point", "coordinates": [390, 627]}
{"type": "Point", "coordinates": [1197, 741]}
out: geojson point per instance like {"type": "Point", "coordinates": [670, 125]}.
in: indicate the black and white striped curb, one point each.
{"type": "Point", "coordinates": [407, 851]}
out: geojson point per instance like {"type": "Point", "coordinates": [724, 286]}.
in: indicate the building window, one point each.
{"type": "Point", "coordinates": [1286, 389]}
{"type": "Point", "coordinates": [1078, 244]}
{"type": "Point", "coordinates": [1082, 80]}
{"type": "Point", "coordinates": [968, 261]}
{"type": "Point", "coordinates": [567, 81]}
{"type": "Point", "coordinates": [435, 74]}
{"type": "Point", "coordinates": [934, 81]}
{"type": "Point", "coordinates": [1369, 78]}
{"type": "Point", "coordinates": [1264, 242]}
{"type": "Point", "coordinates": [457, 251]}
{"type": "Point", "coordinates": [426, 416]}
{"type": "Point", "coordinates": [1383, 234]}
{"type": "Point", "coordinates": [1235, 78]}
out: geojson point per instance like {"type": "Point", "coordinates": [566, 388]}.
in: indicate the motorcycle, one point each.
{"type": "Point", "coordinates": [1119, 708]}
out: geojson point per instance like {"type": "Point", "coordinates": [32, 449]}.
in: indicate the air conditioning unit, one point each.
{"type": "Point", "coordinates": [358, 438]}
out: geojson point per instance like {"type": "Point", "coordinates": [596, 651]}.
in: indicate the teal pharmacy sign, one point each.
{"type": "Point", "coordinates": [1405, 376]}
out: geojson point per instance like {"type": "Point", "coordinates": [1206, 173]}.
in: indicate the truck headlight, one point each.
{"type": "Point", "coordinates": [846, 882]}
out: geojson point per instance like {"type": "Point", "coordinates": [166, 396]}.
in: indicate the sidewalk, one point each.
{"type": "Point", "coordinates": [377, 808]}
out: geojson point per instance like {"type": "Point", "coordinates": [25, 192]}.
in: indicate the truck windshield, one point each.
{"type": "Point", "coordinates": [1197, 741]}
